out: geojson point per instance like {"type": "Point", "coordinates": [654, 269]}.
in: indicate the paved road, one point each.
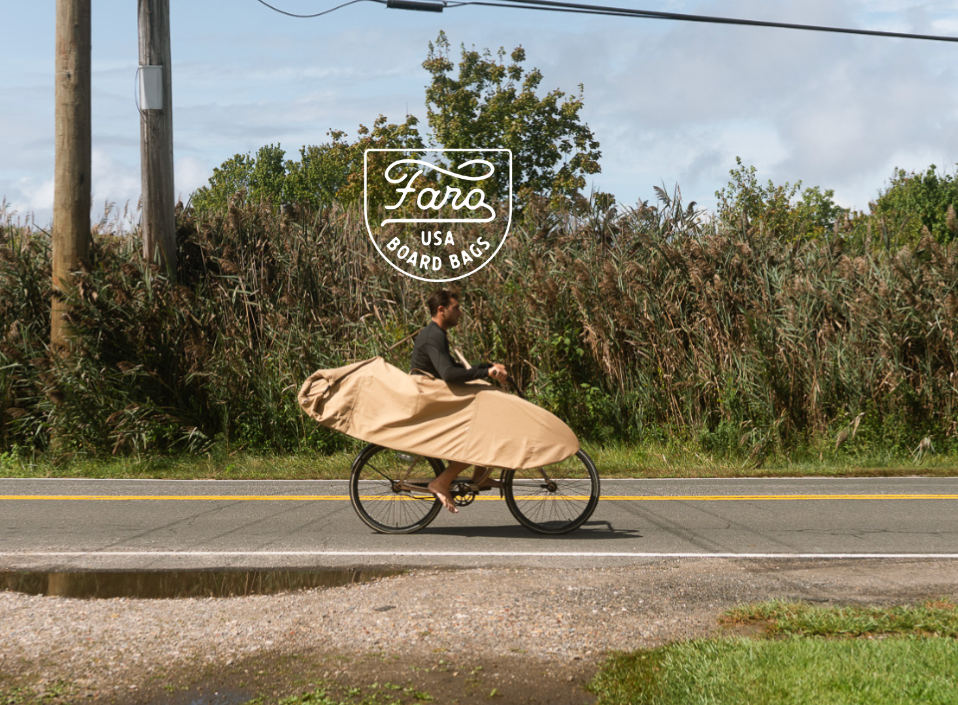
{"type": "Point", "coordinates": [159, 524]}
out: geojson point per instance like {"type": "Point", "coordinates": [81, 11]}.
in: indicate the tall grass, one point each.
{"type": "Point", "coordinates": [629, 325]}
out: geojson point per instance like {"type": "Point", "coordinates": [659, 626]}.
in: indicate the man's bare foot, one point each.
{"type": "Point", "coordinates": [444, 496]}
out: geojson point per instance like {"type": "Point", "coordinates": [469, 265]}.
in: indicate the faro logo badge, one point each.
{"type": "Point", "coordinates": [441, 216]}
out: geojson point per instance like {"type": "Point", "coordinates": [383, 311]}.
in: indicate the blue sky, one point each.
{"type": "Point", "coordinates": [669, 102]}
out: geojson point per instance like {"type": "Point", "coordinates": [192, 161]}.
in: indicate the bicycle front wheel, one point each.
{"type": "Point", "coordinates": [556, 498]}
{"type": "Point", "coordinates": [387, 491]}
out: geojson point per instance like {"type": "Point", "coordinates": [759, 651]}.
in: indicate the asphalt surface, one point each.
{"type": "Point", "coordinates": [53, 524]}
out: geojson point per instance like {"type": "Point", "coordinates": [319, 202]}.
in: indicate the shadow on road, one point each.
{"type": "Point", "coordinates": [591, 531]}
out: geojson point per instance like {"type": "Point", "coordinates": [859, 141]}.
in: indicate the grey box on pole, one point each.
{"type": "Point", "coordinates": [151, 88]}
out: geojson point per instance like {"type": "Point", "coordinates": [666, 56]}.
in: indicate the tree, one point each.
{"type": "Point", "coordinates": [325, 173]}
{"type": "Point", "coordinates": [916, 201]}
{"type": "Point", "coordinates": [322, 170]}
{"type": "Point", "coordinates": [258, 180]}
{"type": "Point", "coordinates": [818, 212]}
{"type": "Point", "coordinates": [494, 104]}
{"type": "Point", "coordinates": [772, 208]}
{"type": "Point", "coordinates": [383, 135]}
{"type": "Point", "coordinates": [745, 199]}
{"type": "Point", "coordinates": [488, 105]}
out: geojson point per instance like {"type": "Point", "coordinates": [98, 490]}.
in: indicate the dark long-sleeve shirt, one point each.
{"type": "Point", "coordinates": [430, 353]}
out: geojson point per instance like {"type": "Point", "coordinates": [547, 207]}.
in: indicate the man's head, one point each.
{"type": "Point", "coordinates": [444, 308]}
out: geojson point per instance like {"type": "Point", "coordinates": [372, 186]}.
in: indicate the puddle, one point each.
{"type": "Point", "coordinates": [179, 584]}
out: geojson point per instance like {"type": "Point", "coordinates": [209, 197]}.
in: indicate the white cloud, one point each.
{"type": "Point", "coordinates": [114, 180]}
{"type": "Point", "coordinates": [189, 173]}
{"type": "Point", "coordinates": [669, 101]}
{"type": "Point", "coordinates": [32, 199]}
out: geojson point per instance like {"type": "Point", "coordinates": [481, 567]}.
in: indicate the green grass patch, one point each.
{"type": "Point", "coordinates": [240, 466]}
{"type": "Point", "coordinates": [811, 654]}
{"type": "Point", "coordinates": [938, 618]}
{"type": "Point", "coordinates": [794, 670]}
{"type": "Point", "coordinates": [678, 459]}
{"type": "Point", "coordinates": [672, 459]}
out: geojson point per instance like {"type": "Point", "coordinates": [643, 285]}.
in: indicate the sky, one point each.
{"type": "Point", "coordinates": [671, 103]}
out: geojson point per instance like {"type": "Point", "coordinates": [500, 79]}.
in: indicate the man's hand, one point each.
{"type": "Point", "coordinates": [498, 372]}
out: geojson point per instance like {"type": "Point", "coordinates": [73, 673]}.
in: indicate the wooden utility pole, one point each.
{"type": "Point", "coordinates": [72, 161]}
{"type": "Point", "coordinates": [156, 133]}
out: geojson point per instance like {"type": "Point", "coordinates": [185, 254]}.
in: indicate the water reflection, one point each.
{"type": "Point", "coordinates": [174, 584]}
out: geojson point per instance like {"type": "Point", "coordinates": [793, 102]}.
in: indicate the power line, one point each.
{"type": "Point", "coordinates": [733, 21]}
{"type": "Point", "coordinates": [609, 13]}
{"type": "Point", "coordinates": [318, 14]}
{"type": "Point", "coordinates": [584, 9]}
{"type": "Point", "coordinates": [579, 8]}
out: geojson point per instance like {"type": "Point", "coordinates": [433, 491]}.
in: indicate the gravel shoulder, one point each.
{"type": "Point", "coordinates": [540, 632]}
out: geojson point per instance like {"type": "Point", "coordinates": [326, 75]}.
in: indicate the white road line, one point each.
{"type": "Point", "coordinates": [459, 554]}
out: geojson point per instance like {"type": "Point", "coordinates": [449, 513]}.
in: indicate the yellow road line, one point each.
{"type": "Point", "coordinates": [196, 498]}
{"type": "Point", "coordinates": [772, 497]}
{"type": "Point", "coordinates": [340, 498]}
{"type": "Point", "coordinates": [715, 498]}
{"type": "Point", "coordinates": [184, 497]}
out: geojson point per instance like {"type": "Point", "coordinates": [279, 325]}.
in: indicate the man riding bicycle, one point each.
{"type": "Point", "coordinates": [430, 354]}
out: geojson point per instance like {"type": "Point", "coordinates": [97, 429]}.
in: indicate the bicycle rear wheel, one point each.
{"type": "Point", "coordinates": [553, 499]}
{"type": "Point", "coordinates": [382, 493]}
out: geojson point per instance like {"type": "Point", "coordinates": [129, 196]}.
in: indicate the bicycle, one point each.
{"type": "Point", "coordinates": [389, 497]}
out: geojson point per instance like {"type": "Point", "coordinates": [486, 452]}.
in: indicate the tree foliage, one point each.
{"type": "Point", "coordinates": [322, 170]}
{"type": "Point", "coordinates": [383, 135]}
{"type": "Point", "coordinates": [773, 208]}
{"type": "Point", "coordinates": [916, 201]}
{"type": "Point", "coordinates": [492, 103]}
{"type": "Point", "coordinates": [489, 104]}
{"type": "Point", "coordinates": [245, 179]}
{"type": "Point", "coordinates": [912, 206]}
{"type": "Point", "coordinates": [324, 173]}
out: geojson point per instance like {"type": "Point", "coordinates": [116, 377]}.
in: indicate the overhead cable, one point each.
{"type": "Point", "coordinates": [318, 14]}
{"type": "Point", "coordinates": [653, 14]}
{"type": "Point", "coordinates": [586, 9]}
{"type": "Point", "coordinates": [581, 8]}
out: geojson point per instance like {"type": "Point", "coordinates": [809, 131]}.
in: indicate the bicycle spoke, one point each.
{"type": "Point", "coordinates": [554, 499]}
{"type": "Point", "coordinates": [384, 502]}
{"type": "Point", "coordinates": [378, 471]}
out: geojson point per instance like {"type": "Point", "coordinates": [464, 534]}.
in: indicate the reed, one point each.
{"type": "Point", "coordinates": [650, 323]}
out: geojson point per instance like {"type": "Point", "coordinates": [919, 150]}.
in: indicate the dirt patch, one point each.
{"type": "Point", "coordinates": [465, 636]}
{"type": "Point", "coordinates": [377, 678]}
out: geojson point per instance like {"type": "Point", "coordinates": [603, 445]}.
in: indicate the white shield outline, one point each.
{"type": "Point", "coordinates": [438, 151]}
